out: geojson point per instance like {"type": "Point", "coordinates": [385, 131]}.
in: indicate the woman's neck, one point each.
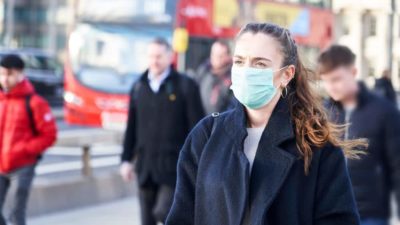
{"type": "Point", "coordinates": [260, 117]}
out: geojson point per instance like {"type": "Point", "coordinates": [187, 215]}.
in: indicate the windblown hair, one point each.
{"type": "Point", "coordinates": [313, 130]}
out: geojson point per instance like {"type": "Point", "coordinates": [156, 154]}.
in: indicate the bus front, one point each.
{"type": "Point", "coordinates": [104, 61]}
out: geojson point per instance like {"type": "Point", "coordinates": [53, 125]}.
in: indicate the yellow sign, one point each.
{"type": "Point", "coordinates": [180, 40]}
{"type": "Point", "coordinates": [225, 12]}
{"type": "Point", "coordinates": [275, 13]}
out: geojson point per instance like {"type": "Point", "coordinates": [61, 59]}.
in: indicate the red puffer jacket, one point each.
{"type": "Point", "coordinates": [19, 146]}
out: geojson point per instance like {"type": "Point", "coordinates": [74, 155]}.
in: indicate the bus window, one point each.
{"type": "Point", "coordinates": [108, 59]}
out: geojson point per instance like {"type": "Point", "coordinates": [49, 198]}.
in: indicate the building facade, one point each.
{"type": "Point", "coordinates": [40, 24]}
{"type": "Point", "coordinates": [372, 30]}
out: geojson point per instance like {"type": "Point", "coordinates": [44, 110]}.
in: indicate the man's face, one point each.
{"type": "Point", "coordinates": [340, 83]}
{"type": "Point", "coordinates": [219, 56]}
{"type": "Point", "coordinates": [159, 58]}
{"type": "Point", "coordinates": [9, 78]}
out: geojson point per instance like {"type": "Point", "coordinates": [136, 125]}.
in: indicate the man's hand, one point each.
{"type": "Point", "coordinates": [126, 171]}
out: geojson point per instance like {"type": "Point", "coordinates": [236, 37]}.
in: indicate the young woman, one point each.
{"type": "Point", "coordinates": [274, 159]}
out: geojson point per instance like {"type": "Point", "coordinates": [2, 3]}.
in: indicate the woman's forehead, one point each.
{"type": "Point", "coordinates": [257, 45]}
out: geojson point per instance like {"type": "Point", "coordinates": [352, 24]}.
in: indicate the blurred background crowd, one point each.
{"type": "Point", "coordinates": [83, 57]}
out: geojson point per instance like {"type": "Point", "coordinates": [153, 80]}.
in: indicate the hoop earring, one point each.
{"type": "Point", "coordinates": [284, 90]}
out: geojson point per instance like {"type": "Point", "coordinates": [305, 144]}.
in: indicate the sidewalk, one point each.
{"type": "Point", "coordinates": [122, 212]}
{"type": "Point", "coordinates": [115, 213]}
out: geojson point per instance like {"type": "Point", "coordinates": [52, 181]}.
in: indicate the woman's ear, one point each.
{"type": "Point", "coordinates": [288, 75]}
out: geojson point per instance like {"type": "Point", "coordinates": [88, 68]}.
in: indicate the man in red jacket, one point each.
{"type": "Point", "coordinates": [27, 129]}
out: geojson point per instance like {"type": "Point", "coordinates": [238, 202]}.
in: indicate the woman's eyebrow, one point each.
{"type": "Point", "coordinates": [238, 56]}
{"type": "Point", "coordinates": [261, 58]}
{"type": "Point", "coordinates": [255, 59]}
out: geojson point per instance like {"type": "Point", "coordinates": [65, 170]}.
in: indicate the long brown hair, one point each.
{"type": "Point", "coordinates": [312, 127]}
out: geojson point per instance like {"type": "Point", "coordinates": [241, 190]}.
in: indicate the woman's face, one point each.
{"type": "Point", "coordinates": [263, 52]}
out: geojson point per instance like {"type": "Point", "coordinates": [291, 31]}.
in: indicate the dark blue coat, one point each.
{"type": "Point", "coordinates": [214, 186]}
{"type": "Point", "coordinates": [377, 174]}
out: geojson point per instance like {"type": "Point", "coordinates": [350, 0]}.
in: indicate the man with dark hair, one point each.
{"type": "Point", "coordinates": [164, 107]}
{"type": "Point", "coordinates": [27, 129]}
{"type": "Point", "coordinates": [214, 78]}
{"type": "Point", "coordinates": [377, 174]}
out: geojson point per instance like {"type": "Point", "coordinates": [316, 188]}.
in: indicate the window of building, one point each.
{"type": "Point", "coordinates": [61, 41]}
{"type": "Point", "coordinates": [345, 26]}
{"type": "Point", "coordinates": [371, 71]}
{"type": "Point", "coordinates": [21, 14]}
{"type": "Point", "coordinates": [398, 68]}
{"type": "Point", "coordinates": [316, 3]}
{"type": "Point", "coordinates": [343, 21]}
{"type": "Point", "coordinates": [369, 24]}
{"type": "Point", "coordinates": [398, 24]}
{"type": "Point", "coordinates": [372, 25]}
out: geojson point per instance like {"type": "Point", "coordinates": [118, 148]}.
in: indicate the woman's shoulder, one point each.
{"type": "Point", "coordinates": [200, 134]}
{"type": "Point", "coordinates": [205, 126]}
{"type": "Point", "coordinates": [330, 152]}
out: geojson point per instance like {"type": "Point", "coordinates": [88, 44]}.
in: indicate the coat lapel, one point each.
{"type": "Point", "coordinates": [272, 163]}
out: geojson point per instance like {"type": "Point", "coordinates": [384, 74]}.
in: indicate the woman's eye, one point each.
{"type": "Point", "coordinates": [237, 62]}
{"type": "Point", "coordinates": [260, 64]}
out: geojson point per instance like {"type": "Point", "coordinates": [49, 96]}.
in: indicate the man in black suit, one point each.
{"type": "Point", "coordinates": [164, 106]}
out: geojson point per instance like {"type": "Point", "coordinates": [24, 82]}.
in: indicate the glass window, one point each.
{"type": "Point", "coordinates": [371, 71]}
{"type": "Point", "coordinates": [398, 24]}
{"type": "Point", "coordinates": [38, 61]}
{"type": "Point", "coordinates": [370, 24]}
{"type": "Point", "coordinates": [21, 14]}
{"type": "Point", "coordinates": [110, 58]}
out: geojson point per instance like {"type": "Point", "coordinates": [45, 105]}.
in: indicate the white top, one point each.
{"type": "Point", "coordinates": [251, 144]}
{"type": "Point", "coordinates": [155, 82]}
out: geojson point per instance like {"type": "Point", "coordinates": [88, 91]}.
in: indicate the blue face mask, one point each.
{"type": "Point", "coordinates": [253, 87]}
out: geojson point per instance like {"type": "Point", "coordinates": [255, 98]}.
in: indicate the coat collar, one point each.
{"type": "Point", "coordinates": [22, 89]}
{"type": "Point", "coordinates": [272, 163]}
{"type": "Point", "coordinates": [172, 74]}
{"type": "Point", "coordinates": [279, 128]}
{"type": "Point", "coordinates": [363, 97]}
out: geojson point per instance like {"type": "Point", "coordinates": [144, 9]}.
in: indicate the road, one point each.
{"type": "Point", "coordinates": [122, 212]}
{"type": "Point", "coordinates": [115, 213]}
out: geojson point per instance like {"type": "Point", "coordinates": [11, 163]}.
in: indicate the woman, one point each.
{"type": "Point", "coordinates": [274, 159]}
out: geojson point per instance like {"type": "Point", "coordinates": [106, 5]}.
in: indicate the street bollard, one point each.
{"type": "Point", "coordinates": [86, 168]}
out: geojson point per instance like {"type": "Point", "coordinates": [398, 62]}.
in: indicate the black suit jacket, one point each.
{"type": "Point", "coordinates": [158, 124]}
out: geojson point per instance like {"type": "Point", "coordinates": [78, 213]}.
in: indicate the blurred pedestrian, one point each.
{"type": "Point", "coordinates": [274, 159]}
{"type": "Point", "coordinates": [27, 129]}
{"type": "Point", "coordinates": [164, 107]}
{"type": "Point", "coordinates": [384, 87]}
{"type": "Point", "coordinates": [214, 78]}
{"type": "Point", "coordinates": [377, 174]}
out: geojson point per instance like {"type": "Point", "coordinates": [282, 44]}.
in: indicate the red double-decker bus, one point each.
{"type": "Point", "coordinates": [107, 48]}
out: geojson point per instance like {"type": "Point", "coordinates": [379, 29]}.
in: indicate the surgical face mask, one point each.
{"type": "Point", "coordinates": [253, 87]}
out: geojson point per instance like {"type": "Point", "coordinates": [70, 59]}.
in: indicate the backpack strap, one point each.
{"type": "Point", "coordinates": [30, 113]}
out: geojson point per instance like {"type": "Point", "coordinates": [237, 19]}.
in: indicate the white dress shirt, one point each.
{"type": "Point", "coordinates": [155, 82]}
